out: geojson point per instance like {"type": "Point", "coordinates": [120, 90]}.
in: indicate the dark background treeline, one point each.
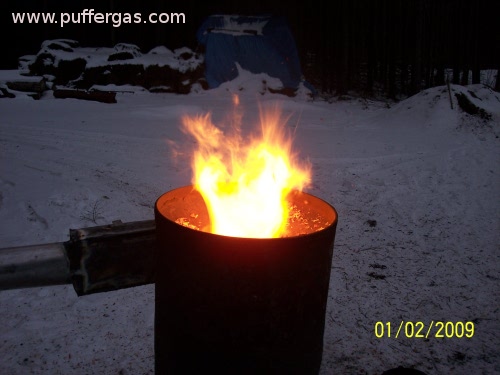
{"type": "Point", "coordinates": [394, 47]}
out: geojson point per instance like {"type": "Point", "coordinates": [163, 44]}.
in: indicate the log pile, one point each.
{"type": "Point", "coordinates": [94, 95]}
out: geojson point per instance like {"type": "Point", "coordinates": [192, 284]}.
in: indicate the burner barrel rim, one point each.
{"type": "Point", "coordinates": [327, 211]}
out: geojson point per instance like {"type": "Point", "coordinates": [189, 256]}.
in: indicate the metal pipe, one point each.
{"type": "Point", "coordinates": [95, 259]}
{"type": "Point", "coordinates": [32, 266]}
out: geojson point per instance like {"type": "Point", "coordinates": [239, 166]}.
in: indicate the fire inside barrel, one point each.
{"type": "Point", "coordinates": [245, 180]}
{"type": "Point", "coordinates": [302, 217]}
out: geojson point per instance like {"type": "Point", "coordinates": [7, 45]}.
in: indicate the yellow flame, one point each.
{"type": "Point", "coordinates": [245, 185]}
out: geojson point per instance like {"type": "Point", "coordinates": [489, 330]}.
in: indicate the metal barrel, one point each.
{"type": "Point", "coordinates": [231, 305]}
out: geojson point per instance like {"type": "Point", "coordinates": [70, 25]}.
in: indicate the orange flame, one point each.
{"type": "Point", "coordinates": [245, 186]}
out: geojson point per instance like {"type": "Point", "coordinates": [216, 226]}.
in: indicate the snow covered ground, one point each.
{"type": "Point", "coordinates": [416, 186]}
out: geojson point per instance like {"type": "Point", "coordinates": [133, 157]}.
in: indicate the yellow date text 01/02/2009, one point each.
{"type": "Point", "coordinates": [421, 330]}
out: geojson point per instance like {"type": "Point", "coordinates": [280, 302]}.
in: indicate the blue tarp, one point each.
{"type": "Point", "coordinates": [259, 44]}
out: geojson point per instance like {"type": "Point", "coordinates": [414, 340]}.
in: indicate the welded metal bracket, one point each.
{"type": "Point", "coordinates": [111, 257]}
